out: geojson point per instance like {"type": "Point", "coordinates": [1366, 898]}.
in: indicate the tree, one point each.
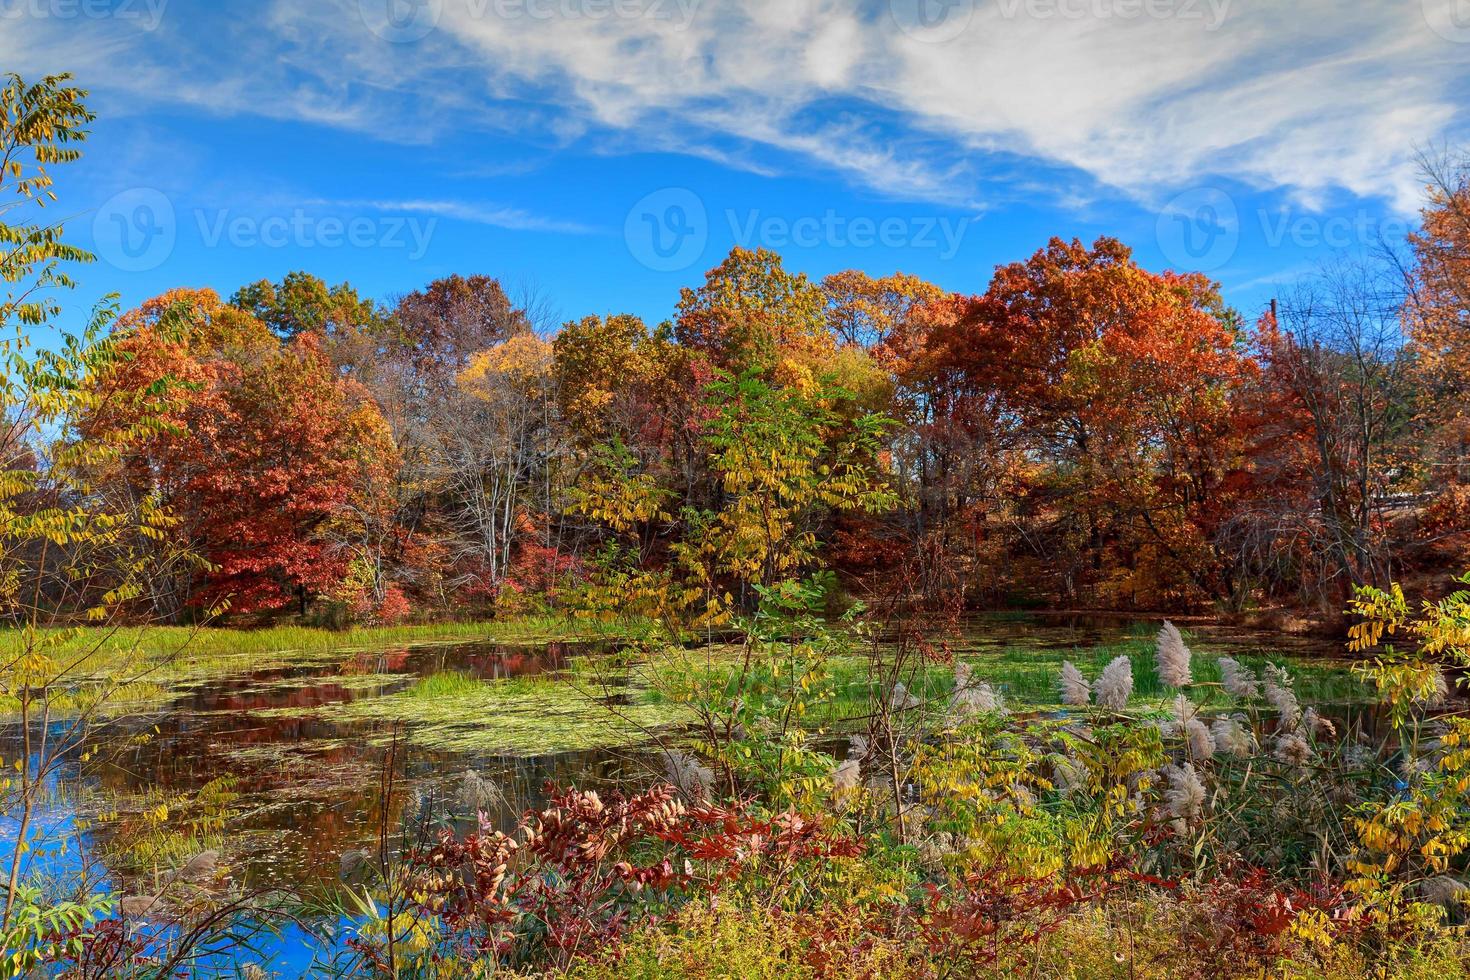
{"type": "Point", "coordinates": [67, 555]}
{"type": "Point", "coordinates": [436, 330]}
{"type": "Point", "coordinates": [302, 303]}
{"type": "Point", "coordinates": [38, 125]}
{"type": "Point", "coordinates": [1336, 405]}
{"type": "Point", "coordinates": [1439, 332]}
{"type": "Point", "coordinates": [864, 312]}
{"type": "Point", "coordinates": [501, 454]}
{"type": "Point", "coordinates": [266, 457]}
{"type": "Point", "coordinates": [1085, 403]}
{"type": "Point", "coordinates": [786, 460]}
{"type": "Point", "coordinates": [751, 314]}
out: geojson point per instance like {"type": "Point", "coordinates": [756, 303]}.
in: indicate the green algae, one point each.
{"type": "Point", "coordinates": [522, 717]}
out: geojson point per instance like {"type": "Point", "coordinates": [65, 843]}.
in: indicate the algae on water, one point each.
{"type": "Point", "coordinates": [525, 718]}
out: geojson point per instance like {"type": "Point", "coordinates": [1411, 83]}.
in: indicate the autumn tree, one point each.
{"type": "Point", "coordinates": [956, 454]}
{"type": "Point", "coordinates": [302, 303]}
{"type": "Point", "coordinates": [437, 329]}
{"type": "Point", "coordinates": [501, 457]}
{"type": "Point", "coordinates": [1439, 332]}
{"type": "Point", "coordinates": [1327, 447]}
{"type": "Point", "coordinates": [751, 314]}
{"type": "Point", "coordinates": [865, 312]}
{"type": "Point", "coordinates": [268, 461]}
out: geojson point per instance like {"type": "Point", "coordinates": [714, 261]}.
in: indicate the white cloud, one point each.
{"type": "Point", "coordinates": [1314, 96]}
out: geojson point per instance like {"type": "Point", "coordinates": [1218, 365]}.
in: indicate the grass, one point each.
{"type": "Point", "coordinates": [137, 666]}
{"type": "Point", "coordinates": [1026, 676]}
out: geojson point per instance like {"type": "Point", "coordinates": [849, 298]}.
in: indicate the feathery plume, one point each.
{"type": "Point", "coordinates": [354, 866]}
{"type": "Point", "coordinates": [972, 698]}
{"type": "Point", "coordinates": [1184, 709]}
{"type": "Point", "coordinates": [1293, 750]}
{"type": "Point", "coordinates": [1444, 891]}
{"type": "Point", "coordinates": [1238, 680]}
{"type": "Point", "coordinates": [1359, 756]}
{"type": "Point", "coordinates": [689, 776]}
{"type": "Point", "coordinates": [142, 907]}
{"type": "Point", "coordinates": [1317, 726]}
{"type": "Point", "coordinates": [847, 777]}
{"type": "Point", "coordinates": [478, 794]}
{"type": "Point", "coordinates": [1233, 738]}
{"type": "Point", "coordinates": [1281, 697]}
{"type": "Point", "coordinates": [902, 700]}
{"type": "Point", "coordinates": [1115, 686]}
{"type": "Point", "coordinates": [1071, 775]}
{"type": "Point", "coordinates": [1185, 796]}
{"type": "Point", "coordinates": [203, 866]}
{"type": "Point", "coordinates": [1436, 697]}
{"type": "Point", "coordinates": [1172, 657]}
{"type": "Point", "coordinates": [1197, 737]}
{"type": "Point", "coordinates": [1075, 689]}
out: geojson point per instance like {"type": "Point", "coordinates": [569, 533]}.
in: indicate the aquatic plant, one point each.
{"type": "Point", "coordinates": [1076, 690]}
{"type": "Point", "coordinates": [1115, 685]}
{"type": "Point", "coordinates": [1172, 657]}
{"type": "Point", "coordinates": [1239, 681]}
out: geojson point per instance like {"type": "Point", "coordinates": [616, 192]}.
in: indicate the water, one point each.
{"type": "Point", "coordinates": [309, 783]}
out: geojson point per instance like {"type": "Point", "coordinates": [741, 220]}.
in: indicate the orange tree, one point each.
{"type": "Point", "coordinates": [273, 464]}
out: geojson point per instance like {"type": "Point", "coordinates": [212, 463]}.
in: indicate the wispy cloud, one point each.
{"type": "Point", "coordinates": [1313, 96]}
{"type": "Point", "coordinates": [480, 214]}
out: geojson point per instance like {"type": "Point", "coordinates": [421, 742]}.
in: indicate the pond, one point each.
{"type": "Point", "coordinates": [305, 744]}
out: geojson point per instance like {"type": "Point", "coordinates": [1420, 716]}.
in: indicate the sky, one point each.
{"type": "Point", "coordinates": [597, 155]}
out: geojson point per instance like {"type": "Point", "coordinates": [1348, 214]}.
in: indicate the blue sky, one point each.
{"type": "Point", "coordinates": [600, 154]}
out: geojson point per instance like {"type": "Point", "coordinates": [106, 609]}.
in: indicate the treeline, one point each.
{"type": "Point", "coordinates": [1082, 432]}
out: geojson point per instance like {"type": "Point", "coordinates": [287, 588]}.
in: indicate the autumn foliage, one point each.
{"type": "Point", "coordinates": [1082, 431]}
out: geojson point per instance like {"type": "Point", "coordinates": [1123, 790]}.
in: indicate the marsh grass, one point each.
{"type": "Point", "coordinates": [1027, 676]}
{"type": "Point", "coordinates": [138, 666]}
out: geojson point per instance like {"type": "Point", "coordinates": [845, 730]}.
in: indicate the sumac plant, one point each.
{"type": "Point", "coordinates": [576, 877]}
